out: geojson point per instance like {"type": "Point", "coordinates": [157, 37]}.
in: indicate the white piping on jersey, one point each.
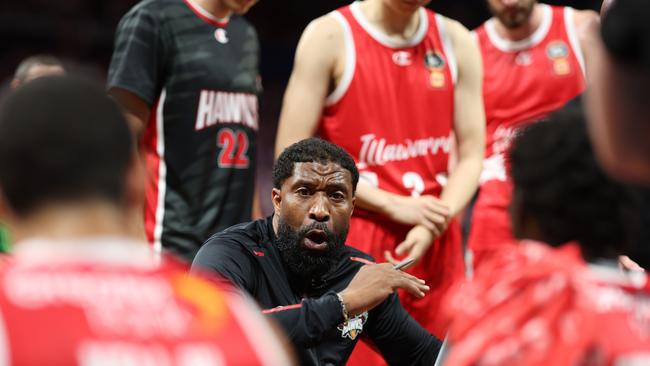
{"type": "Point", "coordinates": [573, 38]}
{"type": "Point", "coordinates": [206, 13]}
{"type": "Point", "coordinates": [447, 47]}
{"type": "Point", "coordinates": [382, 37]}
{"type": "Point", "coordinates": [350, 62]}
{"type": "Point", "coordinates": [5, 347]}
{"type": "Point", "coordinates": [533, 40]}
{"type": "Point", "coordinates": [255, 326]}
{"type": "Point", "coordinates": [162, 174]}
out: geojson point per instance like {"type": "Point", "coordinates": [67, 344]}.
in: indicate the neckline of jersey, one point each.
{"type": "Point", "coordinates": [206, 15]}
{"type": "Point", "coordinates": [382, 37]}
{"type": "Point", "coordinates": [531, 41]}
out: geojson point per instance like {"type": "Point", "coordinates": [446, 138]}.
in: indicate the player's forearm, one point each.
{"type": "Point", "coordinates": [374, 199]}
{"type": "Point", "coordinates": [462, 183]}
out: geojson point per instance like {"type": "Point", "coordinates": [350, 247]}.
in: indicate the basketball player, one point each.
{"type": "Point", "coordinates": [389, 81]}
{"type": "Point", "coordinates": [534, 64]}
{"type": "Point", "coordinates": [186, 72]}
{"type": "Point", "coordinates": [77, 290]}
{"type": "Point", "coordinates": [34, 67]}
{"type": "Point", "coordinates": [535, 305]}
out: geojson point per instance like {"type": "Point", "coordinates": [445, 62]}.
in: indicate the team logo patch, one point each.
{"type": "Point", "coordinates": [353, 327]}
{"type": "Point", "coordinates": [558, 52]}
{"type": "Point", "coordinates": [434, 60]}
{"type": "Point", "coordinates": [435, 63]}
{"type": "Point", "coordinates": [221, 36]}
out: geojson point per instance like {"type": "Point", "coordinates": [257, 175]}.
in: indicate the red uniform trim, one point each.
{"type": "Point", "coordinates": [149, 145]}
{"type": "Point", "coordinates": [281, 308]}
{"type": "Point", "coordinates": [364, 261]}
{"type": "Point", "coordinates": [203, 17]}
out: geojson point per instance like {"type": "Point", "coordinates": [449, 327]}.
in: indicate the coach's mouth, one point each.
{"type": "Point", "coordinates": [315, 240]}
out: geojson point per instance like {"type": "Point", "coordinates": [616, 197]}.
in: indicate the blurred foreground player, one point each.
{"type": "Point", "coordinates": [535, 305]}
{"type": "Point", "coordinates": [295, 263]}
{"type": "Point", "coordinates": [533, 64]}
{"type": "Point", "coordinates": [186, 71]}
{"type": "Point", "coordinates": [77, 291]}
{"type": "Point", "coordinates": [389, 81]}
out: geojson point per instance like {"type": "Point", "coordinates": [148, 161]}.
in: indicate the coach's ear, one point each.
{"type": "Point", "coordinates": [276, 198]}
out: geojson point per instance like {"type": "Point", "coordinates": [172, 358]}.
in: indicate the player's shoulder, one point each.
{"type": "Point", "coordinates": [327, 27]}
{"type": "Point", "coordinates": [581, 18]}
{"type": "Point", "coordinates": [246, 235]}
{"type": "Point", "coordinates": [155, 9]}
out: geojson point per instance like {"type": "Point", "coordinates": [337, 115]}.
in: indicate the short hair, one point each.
{"type": "Point", "coordinates": [312, 150]}
{"type": "Point", "coordinates": [626, 32]}
{"type": "Point", "coordinates": [62, 139]}
{"type": "Point", "coordinates": [565, 191]}
{"type": "Point", "coordinates": [25, 65]}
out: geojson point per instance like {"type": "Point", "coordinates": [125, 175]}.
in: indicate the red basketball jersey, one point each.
{"type": "Point", "coordinates": [393, 109]}
{"type": "Point", "coordinates": [110, 304]}
{"type": "Point", "coordinates": [526, 80]}
{"type": "Point", "coordinates": [523, 82]}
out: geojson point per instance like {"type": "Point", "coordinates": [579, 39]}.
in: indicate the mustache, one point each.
{"type": "Point", "coordinates": [315, 226]}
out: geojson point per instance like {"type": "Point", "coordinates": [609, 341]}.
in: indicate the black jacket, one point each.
{"type": "Point", "coordinates": [311, 313]}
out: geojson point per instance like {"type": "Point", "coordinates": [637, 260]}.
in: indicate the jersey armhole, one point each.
{"type": "Point", "coordinates": [570, 26]}
{"type": "Point", "coordinates": [350, 62]}
{"type": "Point", "coordinates": [448, 47]}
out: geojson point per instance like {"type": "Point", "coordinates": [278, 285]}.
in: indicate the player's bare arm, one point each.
{"type": "Point", "coordinates": [135, 109]}
{"type": "Point", "coordinates": [318, 65]}
{"type": "Point", "coordinates": [469, 120]}
{"type": "Point", "coordinates": [585, 22]}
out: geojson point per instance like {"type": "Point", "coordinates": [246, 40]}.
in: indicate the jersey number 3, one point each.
{"type": "Point", "coordinates": [234, 149]}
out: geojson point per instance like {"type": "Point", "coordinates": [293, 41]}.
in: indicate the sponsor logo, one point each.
{"type": "Point", "coordinates": [221, 36]}
{"type": "Point", "coordinates": [353, 327]}
{"type": "Point", "coordinates": [218, 107]}
{"type": "Point", "coordinates": [402, 58]}
{"type": "Point", "coordinates": [523, 58]}
{"type": "Point", "coordinates": [376, 151]}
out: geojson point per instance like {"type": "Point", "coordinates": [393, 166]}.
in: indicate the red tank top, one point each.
{"type": "Point", "coordinates": [393, 109]}
{"type": "Point", "coordinates": [107, 307]}
{"type": "Point", "coordinates": [526, 80]}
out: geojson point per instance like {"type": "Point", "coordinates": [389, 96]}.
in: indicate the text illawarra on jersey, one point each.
{"type": "Point", "coordinates": [375, 151]}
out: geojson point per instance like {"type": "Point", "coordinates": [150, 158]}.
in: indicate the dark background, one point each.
{"type": "Point", "coordinates": [81, 33]}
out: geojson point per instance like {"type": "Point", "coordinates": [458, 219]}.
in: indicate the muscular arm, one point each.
{"type": "Point", "coordinates": [314, 70]}
{"type": "Point", "coordinates": [469, 120]}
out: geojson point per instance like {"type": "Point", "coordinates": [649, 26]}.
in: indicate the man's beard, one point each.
{"type": "Point", "coordinates": [304, 262]}
{"type": "Point", "coordinates": [516, 19]}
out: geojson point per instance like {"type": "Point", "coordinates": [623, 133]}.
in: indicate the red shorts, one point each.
{"type": "Point", "coordinates": [440, 267]}
{"type": "Point", "coordinates": [491, 227]}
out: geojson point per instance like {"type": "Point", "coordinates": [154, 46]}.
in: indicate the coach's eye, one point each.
{"type": "Point", "coordinates": [303, 191]}
{"type": "Point", "coordinates": [337, 196]}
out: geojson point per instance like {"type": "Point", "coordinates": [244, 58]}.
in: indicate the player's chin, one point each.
{"type": "Point", "coordinates": [244, 6]}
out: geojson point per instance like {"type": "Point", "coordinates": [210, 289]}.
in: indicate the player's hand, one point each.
{"type": "Point", "coordinates": [374, 283]}
{"type": "Point", "coordinates": [427, 211]}
{"type": "Point", "coordinates": [417, 242]}
{"type": "Point", "coordinates": [626, 264]}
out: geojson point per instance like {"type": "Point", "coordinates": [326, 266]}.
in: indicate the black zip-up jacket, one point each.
{"type": "Point", "coordinates": [310, 313]}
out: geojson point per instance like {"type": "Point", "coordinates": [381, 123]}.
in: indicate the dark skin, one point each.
{"type": "Point", "coordinates": [323, 193]}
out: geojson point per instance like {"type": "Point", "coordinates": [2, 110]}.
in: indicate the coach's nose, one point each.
{"type": "Point", "coordinates": [319, 210]}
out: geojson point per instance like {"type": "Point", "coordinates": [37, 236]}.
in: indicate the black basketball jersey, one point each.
{"type": "Point", "coordinates": [200, 76]}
